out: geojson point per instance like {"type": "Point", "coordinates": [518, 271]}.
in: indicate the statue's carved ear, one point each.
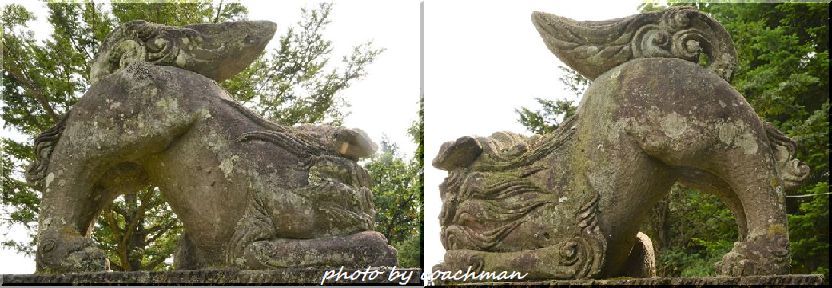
{"type": "Point", "coordinates": [457, 154]}
{"type": "Point", "coordinates": [354, 144]}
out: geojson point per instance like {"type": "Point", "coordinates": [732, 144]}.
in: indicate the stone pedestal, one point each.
{"type": "Point", "coordinates": [309, 276]}
{"type": "Point", "coordinates": [774, 280]}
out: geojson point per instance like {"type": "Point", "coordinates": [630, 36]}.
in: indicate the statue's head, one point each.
{"type": "Point", "coordinates": [217, 51]}
{"type": "Point", "coordinates": [792, 171]}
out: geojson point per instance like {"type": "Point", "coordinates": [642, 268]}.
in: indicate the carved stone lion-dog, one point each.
{"type": "Point", "coordinates": [251, 194]}
{"type": "Point", "coordinates": [568, 204]}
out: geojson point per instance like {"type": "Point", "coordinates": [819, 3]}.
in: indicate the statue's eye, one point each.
{"type": "Point", "coordinates": [250, 39]}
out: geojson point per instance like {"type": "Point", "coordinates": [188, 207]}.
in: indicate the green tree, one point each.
{"type": "Point", "coordinates": [294, 83]}
{"type": "Point", "coordinates": [553, 112]}
{"type": "Point", "coordinates": [397, 192]}
{"type": "Point", "coordinates": [41, 81]}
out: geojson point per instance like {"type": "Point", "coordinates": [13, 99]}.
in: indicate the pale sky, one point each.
{"type": "Point", "coordinates": [482, 60]}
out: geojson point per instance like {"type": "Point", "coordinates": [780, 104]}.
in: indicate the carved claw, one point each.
{"type": "Point", "coordinates": [73, 254]}
{"type": "Point", "coordinates": [90, 259]}
{"type": "Point", "coordinates": [763, 256]}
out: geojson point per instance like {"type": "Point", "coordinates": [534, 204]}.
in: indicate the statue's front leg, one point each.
{"type": "Point", "coordinates": [67, 251]}
{"type": "Point", "coordinates": [762, 255]}
{"type": "Point", "coordinates": [540, 263]}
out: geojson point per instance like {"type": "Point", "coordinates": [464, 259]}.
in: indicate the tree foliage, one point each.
{"type": "Point", "coordinates": [553, 112]}
{"type": "Point", "coordinates": [294, 83]}
{"type": "Point", "coordinates": [398, 186]}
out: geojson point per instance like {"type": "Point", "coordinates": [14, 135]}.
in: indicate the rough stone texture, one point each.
{"type": "Point", "coordinates": [767, 281]}
{"type": "Point", "coordinates": [251, 194]}
{"type": "Point", "coordinates": [595, 47]}
{"type": "Point", "coordinates": [310, 276]}
{"type": "Point", "coordinates": [567, 205]}
{"type": "Point", "coordinates": [217, 51]}
{"type": "Point", "coordinates": [457, 154]}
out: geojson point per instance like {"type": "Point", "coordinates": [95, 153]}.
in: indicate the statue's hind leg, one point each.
{"type": "Point", "coordinates": [321, 225]}
{"type": "Point", "coordinates": [738, 153]}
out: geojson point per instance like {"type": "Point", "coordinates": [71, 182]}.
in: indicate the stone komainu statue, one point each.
{"type": "Point", "coordinates": [568, 204]}
{"type": "Point", "coordinates": [251, 194]}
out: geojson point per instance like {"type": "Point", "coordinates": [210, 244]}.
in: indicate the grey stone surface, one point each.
{"type": "Point", "coordinates": [567, 205]}
{"type": "Point", "coordinates": [217, 51]}
{"type": "Point", "coordinates": [251, 194]}
{"type": "Point", "coordinates": [311, 276]}
{"type": "Point", "coordinates": [595, 47]}
{"type": "Point", "coordinates": [770, 281]}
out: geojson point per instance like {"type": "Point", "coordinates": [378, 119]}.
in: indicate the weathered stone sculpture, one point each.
{"type": "Point", "coordinates": [251, 194]}
{"type": "Point", "coordinates": [568, 204]}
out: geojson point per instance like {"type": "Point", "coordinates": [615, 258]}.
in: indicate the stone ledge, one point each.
{"type": "Point", "coordinates": [775, 280]}
{"type": "Point", "coordinates": [278, 276]}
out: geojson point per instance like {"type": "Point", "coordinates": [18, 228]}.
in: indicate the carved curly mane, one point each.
{"type": "Point", "coordinates": [44, 144]}
{"type": "Point", "coordinates": [154, 43]}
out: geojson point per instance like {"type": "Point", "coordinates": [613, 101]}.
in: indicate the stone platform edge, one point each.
{"type": "Point", "coordinates": [773, 280]}
{"type": "Point", "coordinates": [311, 276]}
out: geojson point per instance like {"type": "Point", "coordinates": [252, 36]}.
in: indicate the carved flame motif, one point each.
{"type": "Point", "coordinates": [589, 246]}
{"type": "Point", "coordinates": [141, 41]}
{"type": "Point", "coordinates": [217, 51]}
{"type": "Point", "coordinates": [44, 144]}
{"type": "Point", "coordinates": [594, 47]}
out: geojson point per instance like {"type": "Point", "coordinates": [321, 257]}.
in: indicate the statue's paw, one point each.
{"type": "Point", "coordinates": [374, 248]}
{"type": "Point", "coordinates": [760, 257]}
{"type": "Point", "coordinates": [461, 260]}
{"type": "Point", "coordinates": [89, 259]}
{"type": "Point", "coordinates": [735, 264]}
{"type": "Point", "coordinates": [68, 252]}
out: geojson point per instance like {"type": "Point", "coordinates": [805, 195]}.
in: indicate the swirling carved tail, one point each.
{"type": "Point", "coordinates": [595, 47]}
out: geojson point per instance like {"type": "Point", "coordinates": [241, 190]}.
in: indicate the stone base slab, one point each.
{"type": "Point", "coordinates": [311, 276]}
{"type": "Point", "coordinates": [774, 280]}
